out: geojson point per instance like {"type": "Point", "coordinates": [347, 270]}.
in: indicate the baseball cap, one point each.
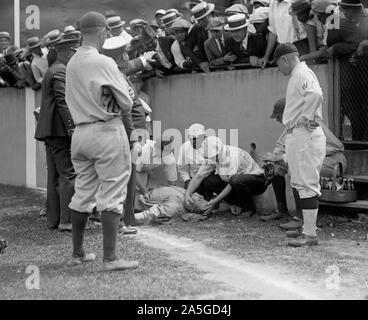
{"type": "Point", "coordinates": [196, 130]}
{"type": "Point", "coordinates": [211, 147]}
{"type": "Point", "coordinates": [282, 49]}
{"type": "Point", "coordinates": [278, 108]}
{"type": "Point", "coordinates": [92, 19]}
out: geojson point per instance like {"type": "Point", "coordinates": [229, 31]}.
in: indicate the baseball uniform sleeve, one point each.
{"type": "Point", "coordinates": [313, 95]}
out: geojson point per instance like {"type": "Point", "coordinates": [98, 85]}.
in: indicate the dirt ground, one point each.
{"type": "Point", "coordinates": [224, 257]}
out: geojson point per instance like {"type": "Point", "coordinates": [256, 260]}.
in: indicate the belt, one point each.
{"type": "Point", "coordinates": [98, 121]}
{"type": "Point", "coordinates": [290, 130]}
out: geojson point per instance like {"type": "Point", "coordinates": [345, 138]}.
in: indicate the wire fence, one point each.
{"type": "Point", "coordinates": [354, 100]}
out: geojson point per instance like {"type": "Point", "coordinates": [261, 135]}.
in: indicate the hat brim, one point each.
{"type": "Point", "coordinates": [351, 4]}
{"type": "Point", "coordinates": [35, 45]}
{"type": "Point", "coordinates": [121, 24]}
{"type": "Point", "coordinates": [171, 22]}
{"type": "Point", "coordinates": [211, 7]}
{"type": "Point", "coordinates": [50, 42]}
{"type": "Point", "coordinates": [227, 27]}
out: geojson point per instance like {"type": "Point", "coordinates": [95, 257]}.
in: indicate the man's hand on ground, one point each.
{"type": "Point", "coordinates": [210, 206]}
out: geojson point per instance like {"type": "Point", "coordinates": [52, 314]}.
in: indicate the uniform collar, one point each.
{"type": "Point", "coordinates": [296, 68]}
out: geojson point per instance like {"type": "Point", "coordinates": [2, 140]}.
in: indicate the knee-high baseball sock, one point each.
{"type": "Point", "coordinates": [110, 229]}
{"type": "Point", "coordinates": [298, 205]}
{"type": "Point", "coordinates": [79, 221]}
{"type": "Point", "coordinates": [310, 222]}
{"type": "Point", "coordinates": [279, 186]}
{"type": "Point", "coordinates": [310, 212]}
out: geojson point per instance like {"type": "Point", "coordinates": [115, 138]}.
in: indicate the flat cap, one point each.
{"type": "Point", "coordinates": [91, 20]}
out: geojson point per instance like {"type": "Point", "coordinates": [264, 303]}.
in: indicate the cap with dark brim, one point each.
{"type": "Point", "coordinates": [278, 108]}
{"type": "Point", "coordinates": [283, 49]}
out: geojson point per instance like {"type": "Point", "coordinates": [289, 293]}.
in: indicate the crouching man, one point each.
{"type": "Point", "coordinates": [334, 155]}
{"type": "Point", "coordinates": [231, 174]}
{"type": "Point", "coordinates": [155, 168]}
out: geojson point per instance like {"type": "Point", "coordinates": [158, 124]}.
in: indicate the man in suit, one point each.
{"type": "Point", "coordinates": [215, 45]}
{"type": "Point", "coordinates": [55, 126]}
{"type": "Point", "coordinates": [114, 48]}
{"type": "Point", "coordinates": [194, 44]}
{"type": "Point", "coordinates": [247, 47]}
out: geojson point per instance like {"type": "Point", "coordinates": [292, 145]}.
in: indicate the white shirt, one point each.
{"type": "Point", "coordinates": [153, 170]}
{"type": "Point", "coordinates": [39, 65]}
{"type": "Point", "coordinates": [178, 55]}
{"type": "Point", "coordinates": [286, 27]}
{"type": "Point", "coordinates": [304, 97]}
{"type": "Point", "coordinates": [189, 161]}
{"type": "Point", "coordinates": [232, 161]}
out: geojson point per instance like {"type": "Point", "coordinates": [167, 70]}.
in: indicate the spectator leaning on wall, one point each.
{"type": "Point", "coordinates": [39, 62]}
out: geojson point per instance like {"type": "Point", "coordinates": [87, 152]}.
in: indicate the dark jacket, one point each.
{"type": "Point", "coordinates": [196, 38]}
{"type": "Point", "coordinates": [165, 44]}
{"type": "Point", "coordinates": [54, 119]}
{"type": "Point", "coordinates": [345, 40]}
{"type": "Point", "coordinates": [214, 55]}
{"type": "Point", "coordinates": [256, 47]}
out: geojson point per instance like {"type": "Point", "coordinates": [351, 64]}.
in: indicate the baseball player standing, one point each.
{"type": "Point", "coordinates": [100, 147]}
{"type": "Point", "coordinates": [305, 144]}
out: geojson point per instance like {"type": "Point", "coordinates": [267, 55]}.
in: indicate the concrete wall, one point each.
{"type": "Point", "coordinates": [240, 100]}
{"type": "Point", "coordinates": [12, 137]}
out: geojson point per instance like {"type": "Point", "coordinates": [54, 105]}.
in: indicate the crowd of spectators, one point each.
{"type": "Point", "coordinates": [241, 36]}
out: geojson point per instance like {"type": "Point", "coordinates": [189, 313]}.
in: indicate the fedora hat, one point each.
{"type": "Point", "coordinates": [4, 34]}
{"type": "Point", "coordinates": [181, 24]}
{"type": "Point", "coordinates": [236, 8]}
{"type": "Point", "coordinates": [70, 32]}
{"type": "Point", "coordinates": [52, 37]}
{"type": "Point", "coordinates": [34, 42]}
{"type": "Point", "coordinates": [115, 22]}
{"type": "Point", "coordinates": [66, 44]}
{"type": "Point", "coordinates": [168, 19]}
{"type": "Point", "coordinates": [202, 10]}
{"type": "Point", "coordinates": [216, 24]}
{"type": "Point", "coordinates": [236, 22]}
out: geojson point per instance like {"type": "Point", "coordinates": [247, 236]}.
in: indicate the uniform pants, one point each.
{"type": "Point", "coordinates": [102, 162]}
{"type": "Point", "coordinates": [279, 184]}
{"type": "Point", "coordinates": [305, 152]}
